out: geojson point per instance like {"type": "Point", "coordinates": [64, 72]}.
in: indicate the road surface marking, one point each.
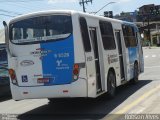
{"type": "Point", "coordinates": [153, 55]}
{"type": "Point", "coordinates": [131, 105]}
{"type": "Point", "coordinates": [152, 67]}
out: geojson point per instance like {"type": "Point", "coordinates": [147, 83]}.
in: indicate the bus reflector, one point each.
{"type": "Point", "coordinates": [65, 91]}
{"type": "Point", "coordinates": [25, 92]}
{"type": "Point", "coordinates": [12, 76]}
{"type": "Point", "coordinates": [11, 71]}
{"type": "Point", "coordinates": [75, 71]}
{"type": "Point", "coordinates": [76, 66]}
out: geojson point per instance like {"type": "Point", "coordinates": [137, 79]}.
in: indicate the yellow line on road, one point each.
{"type": "Point", "coordinates": [131, 105]}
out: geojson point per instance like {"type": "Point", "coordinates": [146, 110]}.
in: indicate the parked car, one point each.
{"type": "Point", "coordinates": [4, 76]}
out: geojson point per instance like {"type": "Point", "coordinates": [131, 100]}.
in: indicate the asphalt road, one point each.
{"type": "Point", "coordinates": [142, 98]}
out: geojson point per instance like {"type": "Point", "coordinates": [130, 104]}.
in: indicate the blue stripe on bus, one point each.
{"type": "Point", "coordinates": [132, 51]}
{"type": "Point", "coordinates": [57, 64]}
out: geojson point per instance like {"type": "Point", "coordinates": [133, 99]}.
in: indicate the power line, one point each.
{"type": "Point", "coordinates": [6, 11]}
{"type": "Point", "coordinates": [20, 5]}
{"type": "Point", "coordinates": [22, 1]}
{"type": "Point", "coordinates": [7, 15]}
{"type": "Point", "coordinates": [25, 5]}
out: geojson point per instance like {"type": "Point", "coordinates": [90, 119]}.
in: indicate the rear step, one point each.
{"type": "Point", "coordinates": [123, 81]}
{"type": "Point", "coordinates": [99, 90]}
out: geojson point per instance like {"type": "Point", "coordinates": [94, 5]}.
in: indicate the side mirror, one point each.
{"type": "Point", "coordinates": [4, 23]}
{"type": "Point", "coordinates": [6, 37]}
{"type": "Point", "coordinates": [142, 35]}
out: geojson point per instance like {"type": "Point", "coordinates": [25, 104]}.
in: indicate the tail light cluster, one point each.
{"type": "Point", "coordinates": [13, 76]}
{"type": "Point", "coordinates": [75, 72]}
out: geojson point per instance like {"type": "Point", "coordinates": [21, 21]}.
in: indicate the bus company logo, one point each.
{"type": "Point", "coordinates": [112, 58]}
{"type": "Point", "coordinates": [40, 52]}
{"type": "Point", "coordinates": [109, 59]}
{"type": "Point", "coordinates": [25, 63]}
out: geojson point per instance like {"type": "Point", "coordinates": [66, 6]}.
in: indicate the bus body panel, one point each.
{"type": "Point", "coordinates": [93, 25]}
{"type": "Point", "coordinates": [136, 54]}
{"type": "Point", "coordinates": [53, 61]}
{"type": "Point", "coordinates": [60, 60]}
{"type": "Point", "coordinates": [131, 54]}
{"type": "Point", "coordinates": [133, 57]}
{"type": "Point", "coordinates": [47, 61]}
{"type": "Point", "coordinates": [90, 65]}
{"type": "Point", "coordinates": [140, 51]}
{"type": "Point", "coordinates": [58, 91]}
{"type": "Point", "coordinates": [78, 44]}
{"type": "Point", "coordinates": [118, 27]}
{"type": "Point", "coordinates": [82, 57]}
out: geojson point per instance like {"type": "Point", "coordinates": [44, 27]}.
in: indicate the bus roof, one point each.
{"type": "Point", "coordinates": [39, 13]}
{"type": "Point", "coordinates": [49, 12]}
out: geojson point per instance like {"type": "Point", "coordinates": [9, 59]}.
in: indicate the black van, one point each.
{"type": "Point", "coordinates": [4, 77]}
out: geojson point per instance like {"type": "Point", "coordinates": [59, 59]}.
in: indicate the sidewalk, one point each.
{"type": "Point", "coordinates": [154, 47]}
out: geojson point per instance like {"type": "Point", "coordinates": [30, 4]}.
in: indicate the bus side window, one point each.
{"type": "Point", "coordinates": [129, 36]}
{"type": "Point", "coordinates": [85, 35]}
{"type": "Point", "coordinates": [107, 35]}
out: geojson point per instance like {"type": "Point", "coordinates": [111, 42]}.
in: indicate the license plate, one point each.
{"type": "Point", "coordinates": [43, 80]}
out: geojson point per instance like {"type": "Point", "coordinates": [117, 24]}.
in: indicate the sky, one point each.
{"type": "Point", "coordinates": [11, 8]}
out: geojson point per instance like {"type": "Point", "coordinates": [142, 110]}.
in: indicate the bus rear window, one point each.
{"type": "Point", "coordinates": [40, 29]}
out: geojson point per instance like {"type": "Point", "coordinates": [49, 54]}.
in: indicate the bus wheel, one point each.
{"type": "Point", "coordinates": [111, 84]}
{"type": "Point", "coordinates": [136, 73]}
{"type": "Point", "coordinates": [55, 100]}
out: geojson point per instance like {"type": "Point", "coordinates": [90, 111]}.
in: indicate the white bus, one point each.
{"type": "Point", "coordinates": [69, 54]}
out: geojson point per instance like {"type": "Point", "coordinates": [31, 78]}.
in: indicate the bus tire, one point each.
{"type": "Point", "coordinates": [55, 100]}
{"type": "Point", "coordinates": [136, 73]}
{"type": "Point", "coordinates": [111, 84]}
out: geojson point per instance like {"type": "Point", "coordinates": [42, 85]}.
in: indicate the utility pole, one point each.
{"type": "Point", "coordinates": [147, 18]}
{"type": "Point", "coordinates": [149, 31]}
{"type": "Point", "coordinates": [83, 2]}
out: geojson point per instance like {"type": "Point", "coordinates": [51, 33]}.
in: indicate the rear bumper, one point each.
{"type": "Point", "coordinates": [75, 89]}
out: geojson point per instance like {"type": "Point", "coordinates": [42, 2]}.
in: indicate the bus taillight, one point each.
{"type": "Point", "coordinates": [13, 76]}
{"type": "Point", "coordinates": [75, 71]}
{"type": "Point", "coordinates": [76, 66]}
